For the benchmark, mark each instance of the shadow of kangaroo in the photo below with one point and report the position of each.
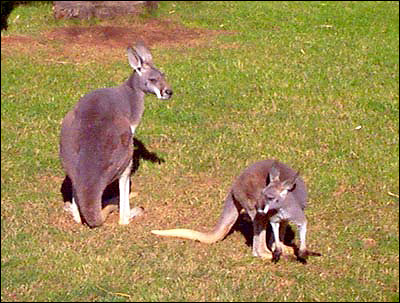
(260, 192)
(96, 142)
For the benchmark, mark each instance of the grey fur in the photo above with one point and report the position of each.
(281, 203)
(96, 141)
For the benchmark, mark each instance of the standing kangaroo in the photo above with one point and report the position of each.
(261, 193)
(96, 143)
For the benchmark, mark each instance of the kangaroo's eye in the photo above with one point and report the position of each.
(153, 80)
(270, 197)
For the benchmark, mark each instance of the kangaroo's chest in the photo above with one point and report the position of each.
(280, 215)
(133, 128)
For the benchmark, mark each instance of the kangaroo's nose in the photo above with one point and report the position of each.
(168, 91)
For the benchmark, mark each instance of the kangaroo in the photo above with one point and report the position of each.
(281, 203)
(96, 141)
(260, 192)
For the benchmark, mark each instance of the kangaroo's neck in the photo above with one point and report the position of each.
(136, 98)
(133, 83)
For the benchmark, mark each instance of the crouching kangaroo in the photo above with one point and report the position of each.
(269, 191)
(96, 142)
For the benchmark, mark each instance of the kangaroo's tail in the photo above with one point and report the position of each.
(221, 229)
(189, 234)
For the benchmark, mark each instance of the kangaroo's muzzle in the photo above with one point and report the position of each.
(166, 94)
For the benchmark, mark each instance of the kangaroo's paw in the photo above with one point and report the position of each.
(72, 209)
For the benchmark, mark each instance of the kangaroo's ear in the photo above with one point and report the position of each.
(290, 184)
(134, 60)
(274, 174)
(143, 52)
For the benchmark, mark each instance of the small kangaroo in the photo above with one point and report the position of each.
(269, 191)
(96, 142)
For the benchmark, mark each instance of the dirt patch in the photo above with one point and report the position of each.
(74, 41)
(151, 32)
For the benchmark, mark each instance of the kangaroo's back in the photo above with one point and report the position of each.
(248, 187)
(95, 149)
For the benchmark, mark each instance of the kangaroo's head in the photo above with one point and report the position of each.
(276, 191)
(147, 78)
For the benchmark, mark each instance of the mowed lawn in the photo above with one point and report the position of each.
(313, 84)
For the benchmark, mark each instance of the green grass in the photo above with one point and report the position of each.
(293, 81)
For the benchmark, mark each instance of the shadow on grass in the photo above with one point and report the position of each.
(245, 227)
(111, 193)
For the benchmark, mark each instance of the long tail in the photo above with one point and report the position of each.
(221, 229)
(90, 206)
(95, 216)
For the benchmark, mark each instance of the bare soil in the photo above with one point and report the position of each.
(151, 32)
(110, 36)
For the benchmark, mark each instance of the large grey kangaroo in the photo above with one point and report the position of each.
(269, 191)
(96, 144)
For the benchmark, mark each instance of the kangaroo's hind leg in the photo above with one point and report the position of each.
(126, 213)
(73, 209)
(259, 238)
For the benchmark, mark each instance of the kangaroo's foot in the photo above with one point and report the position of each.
(136, 212)
(259, 245)
(302, 255)
(286, 250)
(72, 209)
(262, 253)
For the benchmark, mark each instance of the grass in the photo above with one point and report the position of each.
(314, 84)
